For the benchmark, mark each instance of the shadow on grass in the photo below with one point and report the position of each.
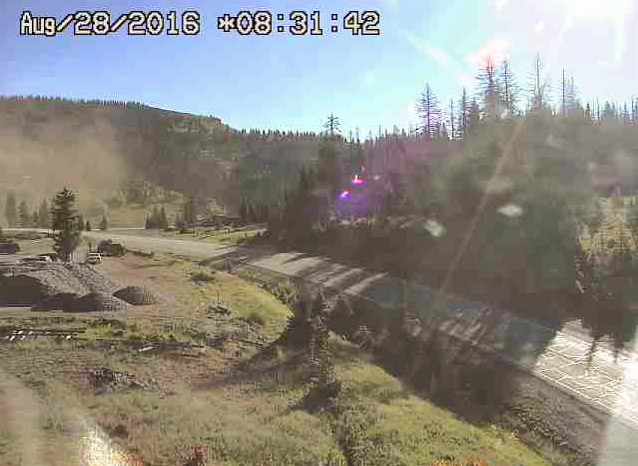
(271, 368)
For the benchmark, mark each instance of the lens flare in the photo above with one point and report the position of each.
(357, 180)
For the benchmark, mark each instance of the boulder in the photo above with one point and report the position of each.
(136, 295)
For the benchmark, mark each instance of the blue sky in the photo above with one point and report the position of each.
(287, 82)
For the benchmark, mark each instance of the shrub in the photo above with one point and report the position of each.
(203, 276)
(256, 319)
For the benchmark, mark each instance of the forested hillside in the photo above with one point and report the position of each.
(114, 153)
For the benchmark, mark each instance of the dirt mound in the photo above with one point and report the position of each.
(136, 295)
(91, 302)
(59, 301)
(50, 282)
(99, 302)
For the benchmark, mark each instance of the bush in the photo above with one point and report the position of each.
(203, 276)
(256, 319)
(282, 291)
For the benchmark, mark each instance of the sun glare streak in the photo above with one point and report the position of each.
(500, 165)
(96, 449)
(618, 11)
(496, 49)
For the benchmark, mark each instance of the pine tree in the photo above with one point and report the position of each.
(539, 88)
(81, 222)
(509, 88)
(564, 95)
(87, 227)
(626, 116)
(598, 115)
(252, 212)
(444, 134)
(163, 220)
(104, 225)
(243, 211)
(473, 116)
(332, 125)
(179, 222)
(429, 112)
(66, 234)
(489, 91)
(44, 215)
(189, 213)
(329, 168)
(23, 214)
(11, 209)
(154, 222)
(462, 126)
(452, 132)
(573, 103)
(609, 114)
(35, 220)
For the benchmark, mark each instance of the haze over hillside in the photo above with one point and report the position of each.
(101, 148)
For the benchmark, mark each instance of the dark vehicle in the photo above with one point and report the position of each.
(109, 248)
(9, 248)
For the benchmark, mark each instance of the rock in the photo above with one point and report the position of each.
(136, 295)
(221, 308)
(50, 285)
(105, 380)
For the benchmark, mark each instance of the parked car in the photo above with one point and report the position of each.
(9, 248)
(94, 258)
(49, 256)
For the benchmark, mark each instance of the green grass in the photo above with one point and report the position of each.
(382, 423)
(237, 429)
(254, 416)
(258, 421)
(234, 238)
(215, 236)
(190, 297)
(41, 412)
(204, 276)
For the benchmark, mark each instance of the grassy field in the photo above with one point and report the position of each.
(131, 216)
(218, 236)
(243, 405)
